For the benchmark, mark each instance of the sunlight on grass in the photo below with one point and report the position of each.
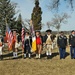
(33, 66)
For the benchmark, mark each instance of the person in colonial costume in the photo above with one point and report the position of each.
(15, 43)
(1, 46)
(49, 42)
(39, 43)
(27, 45)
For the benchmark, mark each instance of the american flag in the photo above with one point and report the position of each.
(9, 37)
(22, 36)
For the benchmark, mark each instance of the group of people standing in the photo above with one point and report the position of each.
(47, 40)
(63, 42)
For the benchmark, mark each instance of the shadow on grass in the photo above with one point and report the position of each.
(8, 55)
(67, 54)
(55, 54)
(33, 55)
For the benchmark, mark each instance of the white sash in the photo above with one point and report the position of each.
(0, 50)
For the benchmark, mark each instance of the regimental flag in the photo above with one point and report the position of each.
(9, 37)
(22, 36)
(33, 37)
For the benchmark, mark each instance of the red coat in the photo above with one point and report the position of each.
(38, 40)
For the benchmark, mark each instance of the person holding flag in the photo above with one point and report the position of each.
(17, 43)
(9, 37)
(36, 41)
(14, 45)
(27, 45)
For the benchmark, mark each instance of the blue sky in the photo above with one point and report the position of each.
(25, 7)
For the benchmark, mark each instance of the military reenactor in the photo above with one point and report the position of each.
(49, 42)
(27, 45)
(17, 43)
(72, 44)
(62, 44)
(14, 44)
(1, 46)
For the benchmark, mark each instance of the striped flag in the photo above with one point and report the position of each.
(33, 37)
(22, 36)
(9, 37)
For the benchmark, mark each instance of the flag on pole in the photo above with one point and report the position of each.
(9, 37)
(33, 37)
(22, 36)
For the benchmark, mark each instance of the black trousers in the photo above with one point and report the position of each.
(1, 57)
(27, 49)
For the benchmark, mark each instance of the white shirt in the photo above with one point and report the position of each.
(26, 37)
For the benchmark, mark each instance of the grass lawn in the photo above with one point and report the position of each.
(33, 66)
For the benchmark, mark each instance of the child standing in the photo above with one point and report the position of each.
(38, 44)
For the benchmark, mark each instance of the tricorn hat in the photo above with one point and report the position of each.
(61, 32)
(72, 31)
(27, 32)
(37, 30)
(48, 30)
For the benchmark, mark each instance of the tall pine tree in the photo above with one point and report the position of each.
(19, 23)
(36, 16)
(7, 10)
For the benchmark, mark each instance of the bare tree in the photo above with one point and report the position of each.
(58, 20)
(49, 24)
(42, 25)
(27, 23)
(54, 4)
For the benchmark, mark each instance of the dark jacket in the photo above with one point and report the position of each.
(72, 40)
(28, 42)
(51, 37)
(62, 41)
(2, 40)
(18, 38)
(42, 39)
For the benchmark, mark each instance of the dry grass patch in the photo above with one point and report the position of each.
(33, 66)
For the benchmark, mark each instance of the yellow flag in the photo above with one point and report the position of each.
(33, 44)
(33, 48)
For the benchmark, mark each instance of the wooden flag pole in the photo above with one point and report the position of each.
(5, 20)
